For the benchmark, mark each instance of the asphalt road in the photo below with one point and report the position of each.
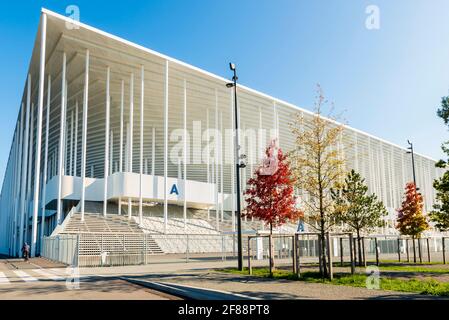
(20, 280)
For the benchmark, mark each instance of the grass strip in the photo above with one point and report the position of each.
(429, 287)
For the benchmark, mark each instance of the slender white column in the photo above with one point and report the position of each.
(153, 150)
(12, 202)
(216, 162)
(142, 71)
(19, 178)
(40, 107)
(84, 134)
(184, 153)
(131, 133)
(122, 95)
(131, 123)
(30, 166)
(221, 167)
(111, 152)
(61, 140)
(71, 145)
(126, 156)
(44, 173)
(208, 173)
(75, 151)
(106, 145)
(166, 148)
(66, 169)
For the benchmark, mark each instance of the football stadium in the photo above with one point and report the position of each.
(117, 146)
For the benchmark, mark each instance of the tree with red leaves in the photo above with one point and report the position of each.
(411, 220)
(270, 194)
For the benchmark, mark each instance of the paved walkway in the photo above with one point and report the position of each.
(275, 289)
(195, 273)
(201, 274)
(28, 281)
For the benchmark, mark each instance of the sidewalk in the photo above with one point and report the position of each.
(201, 274)
(263, 288)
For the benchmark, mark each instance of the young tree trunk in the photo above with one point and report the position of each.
(271, 245)
(323, 250)
(359, 248)
(414, 249)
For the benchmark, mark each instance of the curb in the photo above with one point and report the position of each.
(189, 292)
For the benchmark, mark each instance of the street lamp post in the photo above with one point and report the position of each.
(413, 161)
(238, 166)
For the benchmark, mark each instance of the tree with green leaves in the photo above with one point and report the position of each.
(440, 213)
(359, 211)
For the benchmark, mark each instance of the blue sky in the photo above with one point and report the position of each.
(388, 82)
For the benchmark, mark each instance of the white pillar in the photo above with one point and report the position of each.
(122, 94)
(216, 162)
(45, 174)
(221, 167)
(71, 145)
(19, 178)
(84, 134)
(111, 152)
(141, 141)
(131, 133)
(166, 148)
(75, 151)
(106, 145)
(153, 150)
(61, 140)
(208, 173)
(184, 153)
(30, 165)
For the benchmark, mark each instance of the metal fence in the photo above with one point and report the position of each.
(120, 249)
(61, 248)
(114, 249)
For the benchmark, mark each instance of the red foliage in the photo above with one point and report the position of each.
(270, 197)
(411, 220)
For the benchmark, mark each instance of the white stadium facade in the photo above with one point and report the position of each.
(111, 131)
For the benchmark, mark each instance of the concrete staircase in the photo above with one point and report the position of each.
(96, 223)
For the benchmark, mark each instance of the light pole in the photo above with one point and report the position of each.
(413, 161)
(238, 166)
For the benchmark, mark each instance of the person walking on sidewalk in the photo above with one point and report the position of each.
(26, 251)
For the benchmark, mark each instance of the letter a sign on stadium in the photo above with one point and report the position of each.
(174, 189)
